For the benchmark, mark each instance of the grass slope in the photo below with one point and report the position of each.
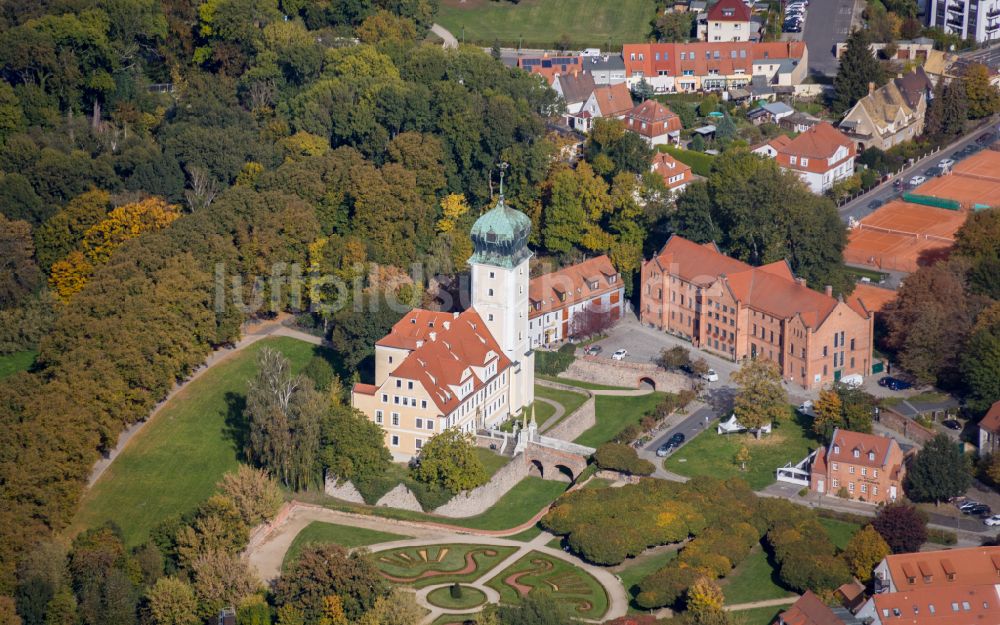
(614, 413)
(543, 23)
(174, 462)
(636, 569)
(712, 454)
(580, 383)
(758, 616)
(753, 580)
(840, 532)
(18, 361)
(318, 532)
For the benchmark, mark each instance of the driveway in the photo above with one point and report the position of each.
(828, 22)
(690, 426)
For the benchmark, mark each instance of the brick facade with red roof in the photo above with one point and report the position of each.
(989, 431)
(728, 20)
(565, 302)
(864, 466)
(822, 156)
(735, 310)
(710, 65)
(654, 122)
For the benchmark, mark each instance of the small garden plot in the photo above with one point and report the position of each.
(468, 597)
(564, 582)
(429, 565)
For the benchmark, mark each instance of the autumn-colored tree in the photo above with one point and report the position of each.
(828, 413)
(982, 96)
(382, 27)
(453, 208)
(322, 571)
(705, 596)
(124, 223)
(222, 579)
(399, 607)
(255, 494)
(8, 611)
(218, 526)
(303, 144)
(172, 602)
(990, 468)
(742, 457)
(865, 549)
(19, 275)
(62, 233)
(760, 399)
(69, 275)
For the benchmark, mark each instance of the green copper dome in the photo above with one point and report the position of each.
(500, 237)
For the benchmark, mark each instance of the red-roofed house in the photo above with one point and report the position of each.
(989, 431)
(654, 122)
(571, 301)
(676, 175)
(810, 610)
(770, 148)
(728, 20)
(864, 466)
(606, 101)
(822, 156)
(727, 307)
(923, 570)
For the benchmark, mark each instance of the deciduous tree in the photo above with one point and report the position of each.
(323, 571)
(982, 96)
(449, 460)
(828, 412)
(222, 579)
(353, 446)
(760, 399)
(255, 494)
(902, 526)
(705, 596)
(865, 550)
(172, 602)
(218, 526)
(19, 275)
(939, 471)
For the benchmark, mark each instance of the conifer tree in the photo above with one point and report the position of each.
(858, 68)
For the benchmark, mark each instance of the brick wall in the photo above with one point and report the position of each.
(480, 499)
(905, 426)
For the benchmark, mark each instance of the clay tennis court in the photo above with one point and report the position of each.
(901, 236)
(984, 165)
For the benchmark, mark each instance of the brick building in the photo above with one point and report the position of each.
(727, 307)
(572, 300)
(865, 466)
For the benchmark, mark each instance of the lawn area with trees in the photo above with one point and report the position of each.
(712, 454)
(348, 536)
(173, 463)
(548, 23)
(18, 361)
(615, 413)
(755, 579)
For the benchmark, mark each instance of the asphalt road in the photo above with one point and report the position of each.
(860, 207)
(827, 23)
(690, 427)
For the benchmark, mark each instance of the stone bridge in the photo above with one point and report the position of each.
(551, 462)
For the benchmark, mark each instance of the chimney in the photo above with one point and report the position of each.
(447, 325)
(801, 281)
(871, 88)
(454, 315)
(828, 290)
(432, 336)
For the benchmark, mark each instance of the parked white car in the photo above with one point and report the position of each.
(993, 520)
(946, 163)
(918, 180)
(710, 376)
(853, 381)
(619, 354)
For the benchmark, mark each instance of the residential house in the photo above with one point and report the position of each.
(727, 307)
(905, 50)
(575, 88)
(860, 466)
(715, 66)
(798, 122)
(810, 610)
(605, 101)
(676, 175)
(772, 112)
(655, 123)
(574, 301)
(925, 570)
(551, 66)
(608, 69)
(727, 20)
(989, 431)
(891, 114)
(469, 370)
(770, 148)
(969, 19)
(822, 156)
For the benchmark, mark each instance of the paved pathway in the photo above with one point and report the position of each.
(444, 34)
(254, 333)
(767, 603)
(560, 410)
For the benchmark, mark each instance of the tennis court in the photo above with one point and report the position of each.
(901, 236)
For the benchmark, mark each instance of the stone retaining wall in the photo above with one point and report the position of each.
(479, 499)
(400, 497)
(576, 423)
(602, 370)
(345, 491)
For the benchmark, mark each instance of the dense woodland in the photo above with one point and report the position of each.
(144, 144)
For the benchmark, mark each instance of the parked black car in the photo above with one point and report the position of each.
(986, 138)
(894, 384)
(952, 424)
(980, 510)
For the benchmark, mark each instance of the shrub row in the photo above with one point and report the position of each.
(622, 458)
(554, 363)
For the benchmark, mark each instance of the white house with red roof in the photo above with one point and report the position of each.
(727, 20)
(655, 123)
(574, 301)
(822, 156)
(675, 174)
(604, 101)
(989, 431)
(470, 370)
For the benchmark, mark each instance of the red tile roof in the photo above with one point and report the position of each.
(447, 354)
(968, 565)
(698, 264)
(652, 112)
(991, 421)
(729, 11)
(571, 285)
(809, 610)
(945, 605)
(414, 328)
(365, 389)
(613, 100)
(817, 144)
(848, 442)
(701, 56)
(669, 167)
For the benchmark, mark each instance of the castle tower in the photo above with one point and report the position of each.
(500, 291)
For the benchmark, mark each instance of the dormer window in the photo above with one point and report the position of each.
(857, 453)
(836, 449)
(871, 455)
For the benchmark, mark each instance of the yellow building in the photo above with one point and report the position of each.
(471, 370)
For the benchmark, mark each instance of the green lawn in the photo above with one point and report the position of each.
(614, 413)
(527, 535)
(635, 570)
(439, 564)
(519, 504)
(590, 386)
(343, 535)
(861, 272)
(175, 461)
(567, 584)
(542, 413)
(567, 399)
(18, 361)
(470, 597)
(712, 454)
(758, 616)
(840, 532)
(753, 580)
(545, 23)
